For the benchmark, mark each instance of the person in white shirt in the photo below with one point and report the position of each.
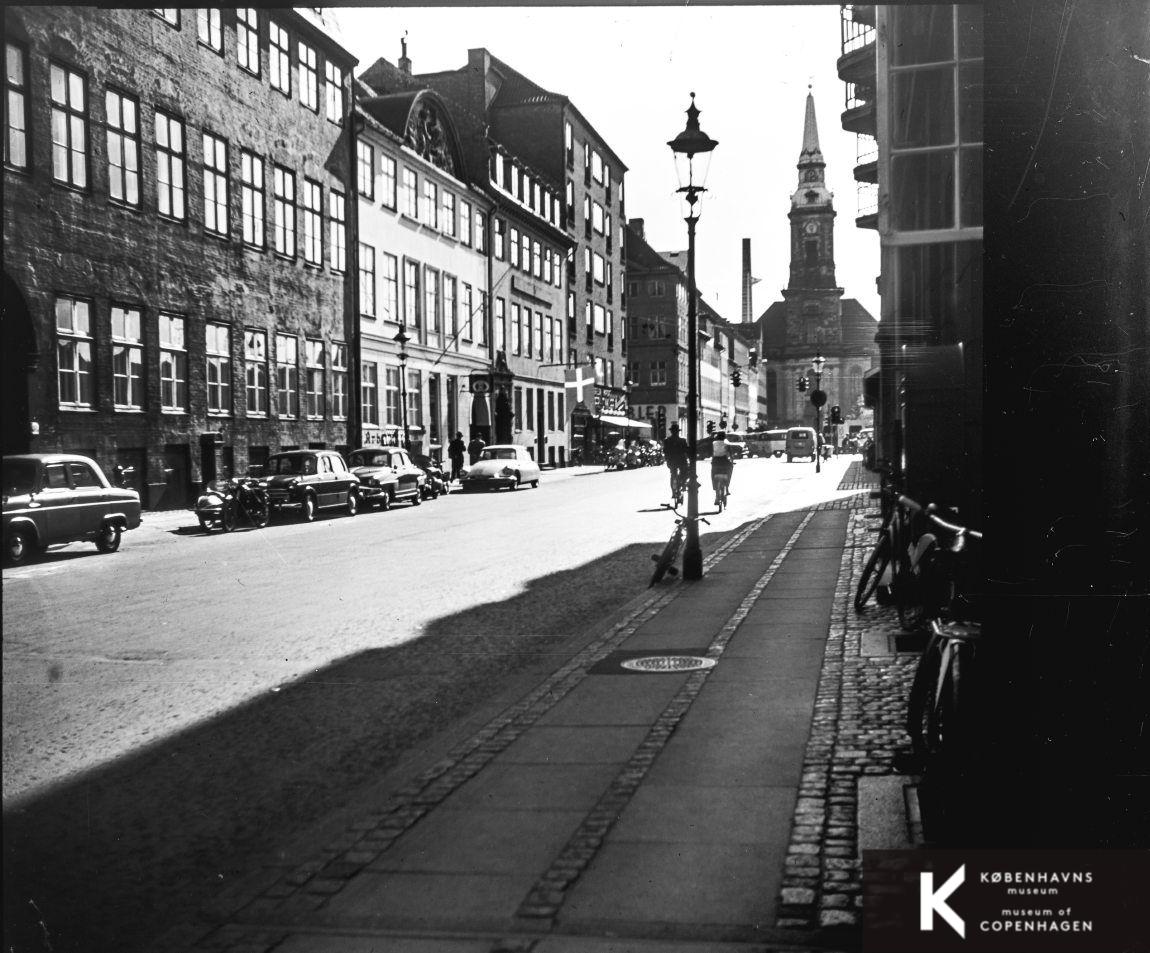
(722, 463)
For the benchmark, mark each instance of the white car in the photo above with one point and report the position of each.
(502, 464)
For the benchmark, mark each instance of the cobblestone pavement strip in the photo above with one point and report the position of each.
(311, 884)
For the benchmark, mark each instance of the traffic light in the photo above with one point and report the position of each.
(803, 383)
(753, 358)
(836, 414)
(661, 419)
(736, 378)
(710, 426)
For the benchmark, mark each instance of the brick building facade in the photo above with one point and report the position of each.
(174, 239)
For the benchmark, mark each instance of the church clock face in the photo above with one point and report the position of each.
(811, 228)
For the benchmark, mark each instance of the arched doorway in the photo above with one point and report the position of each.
(19, 356)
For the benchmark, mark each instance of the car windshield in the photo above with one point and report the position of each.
(19, 476)
(371, 458)
(291, 464)
(498, 453)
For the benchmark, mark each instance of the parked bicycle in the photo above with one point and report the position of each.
(665, 561)
(877, 578)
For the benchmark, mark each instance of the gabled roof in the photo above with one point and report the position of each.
(859, 325)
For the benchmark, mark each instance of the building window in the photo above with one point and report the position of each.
(16, 106)
(465, 222)
(312, 222)
(658, 372)
(127, 359)
(215, 184)
(430, 210)
(586, 164)
(287, 375)
(69, 127)
(391, 394)
(252, 195)
(414, 403)
(480, 231)
(169, 166)
(365, 170)
(338, 381)
(500, 239)
(337, 212)
(500, 325)
(569, 210)
(600, 319)
(537, 259)
(596, 167)
(410, 196)
(209, 29)
(369, 393)
(279, 58)
(466, 303)
(539, 335)
(308, 78)
(569, 145)
(256, 372)
(366, 280)
(597, 217)
(431, 299)
(515, 247)
(388, 183)
(248, 39)
(74, 351)
(516, 329)
(411, 294)
(170, 15)
(450, 316)
(123, 133)
(447, 213)
(218, 352)
(173, 364)
(313, 358)
(283, 207)
(333, 92)
(390, 287)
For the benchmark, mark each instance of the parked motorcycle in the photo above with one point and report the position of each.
(437, 481)
(226, 503)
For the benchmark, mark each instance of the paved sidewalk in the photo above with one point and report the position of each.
(615, 809)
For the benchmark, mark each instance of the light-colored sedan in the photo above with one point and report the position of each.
(502, 464)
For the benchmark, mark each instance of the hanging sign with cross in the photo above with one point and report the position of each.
(577, 379)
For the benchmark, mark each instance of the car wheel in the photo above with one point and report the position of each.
(790, 459)
(518, 483)
(418, 498)
(18, 547)
(384, 500)
(309, 508)
(352, 503)
(535, 484)
(108, 541)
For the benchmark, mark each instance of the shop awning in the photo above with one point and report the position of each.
(616, 421)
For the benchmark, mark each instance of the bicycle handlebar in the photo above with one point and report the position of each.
(698, 519)
(932, 513)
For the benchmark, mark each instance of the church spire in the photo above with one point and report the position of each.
(810, 131)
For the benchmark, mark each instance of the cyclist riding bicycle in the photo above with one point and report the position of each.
(675, 450)
(722, 464)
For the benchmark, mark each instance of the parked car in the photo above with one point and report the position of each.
(436, 483)
(310, 481)
(499, 465)
(801, 442)
(54, 498)
(387, 475)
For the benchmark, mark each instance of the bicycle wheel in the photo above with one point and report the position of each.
(920, 703)
(259, 511)
(947, 732)
(914, 575)
(666, 559)
(228, 516)
(872, 573)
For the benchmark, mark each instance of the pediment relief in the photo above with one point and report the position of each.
(428, 134)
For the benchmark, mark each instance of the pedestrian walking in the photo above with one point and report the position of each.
(455, 451)
(475, 448)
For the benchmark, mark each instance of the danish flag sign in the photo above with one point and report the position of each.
(577, 380)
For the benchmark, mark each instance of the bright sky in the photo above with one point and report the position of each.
(631, 70)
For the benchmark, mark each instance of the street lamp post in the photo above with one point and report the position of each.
(401, 339)
(691, 142)
(818, 398)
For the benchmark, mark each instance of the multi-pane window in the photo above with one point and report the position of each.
(539, 333)
(15, 106)
(279, 58)
(215, 184)
(500, 239)
(74, 351)
(410, 203)
(515, 247)
(500, 325)
(248, 39)
(526, 252)
(481, 338)
(127, 358)
(338, 380)
(430, 206)
(537, 259)
(252, 195)
(390, 274)
(570, 204)
(333, 91)
(480, 231)
(366, 280)
(369, 392)
(283, 209)
(658, 372)
(173, 363)
(312, 222)
(414, 403)
(450, 316)
(365, 169)
(169, 165)
(256, 372)
(313, 357)
(337, 212)
(466, 303)
(447, 213)
(387, 183)
(597, 217)
(391, 394)
(308, 77)
(170, 15)
(465, 222)
(597, 268)
(431, 298)
(218, 354)
(516, 329)
(287, 375)
(596, 167)
(123, 134)
(69, 126)
(569, 145)
(209, 29)
(411, 294)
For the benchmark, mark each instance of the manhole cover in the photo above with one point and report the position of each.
(667, 663)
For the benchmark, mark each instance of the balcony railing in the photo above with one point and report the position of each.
(866, 149)
(867, 194)
(857, 26)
